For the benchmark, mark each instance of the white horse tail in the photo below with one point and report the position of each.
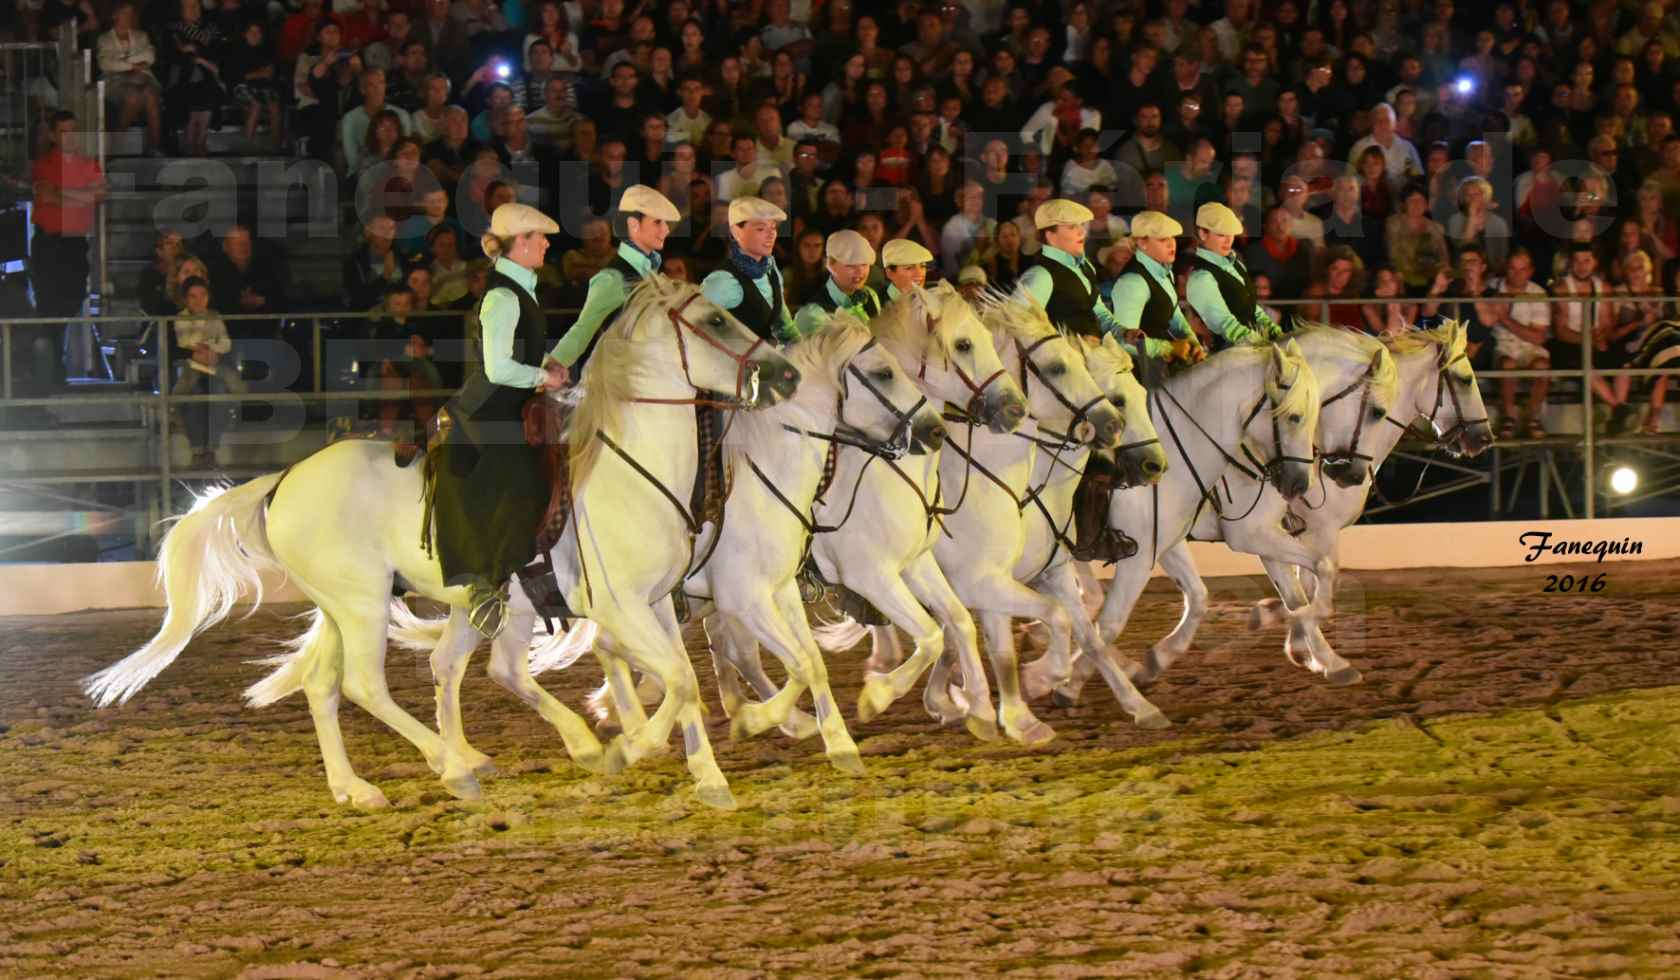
(288, 680)
(213, 555)
(411, 631)
(563, 649)
(839, 636)
(599, 702)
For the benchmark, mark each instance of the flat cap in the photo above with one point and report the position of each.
(850, 248)
(642, 199)
(971, 275)
(903, 251)
(1219, 219)
(754, 209)
(517, 219)
(1061, 212)
(1154, 224)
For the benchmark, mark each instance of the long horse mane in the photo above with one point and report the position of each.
(1300, 397)
(897, 326)
(1009, 316)
(1442, 335)
(1358, 347)
(819, 357)
(614, 367)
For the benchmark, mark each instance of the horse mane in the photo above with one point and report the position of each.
(897, 327)
(1357, 346)
(819, 357)
(1104, 356)
(1012, 317)
(1441, 335)
(613, 368)
(1302, 395)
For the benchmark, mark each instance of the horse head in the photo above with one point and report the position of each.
(1360, 386)
(1061, 395)
(709, 349)
(857, 386)
(1293, 395)
(1140, 456)
(936, 332)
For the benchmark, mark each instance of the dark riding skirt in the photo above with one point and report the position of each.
(488, 494)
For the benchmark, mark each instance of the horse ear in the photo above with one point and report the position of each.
(1294, 350)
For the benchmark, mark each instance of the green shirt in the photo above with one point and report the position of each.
(498, 317)
(1131, 294)
(811, 314)
(722, 288)
(1038, 284)
(1209, 304)
(607, 293)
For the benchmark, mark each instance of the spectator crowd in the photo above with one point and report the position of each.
(1382, 154)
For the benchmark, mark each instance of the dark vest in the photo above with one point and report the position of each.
(763, 319)
(481, 398)
(1157, 316)
(1071, 301)
(824, 299)
(1238, 294)
(631, 278)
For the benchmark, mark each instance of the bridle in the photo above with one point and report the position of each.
(1081, 413)
(977, 392)
(746, 369)
(1445, 390)
(1362, 384)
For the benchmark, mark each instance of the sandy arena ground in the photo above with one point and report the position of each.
(1498, 798)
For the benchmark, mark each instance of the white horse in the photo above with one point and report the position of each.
(1259, 403)
(345, 523)
(1046, 563)
(1436, 384)
(853, 393)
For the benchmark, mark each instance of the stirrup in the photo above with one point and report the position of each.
(487, 611)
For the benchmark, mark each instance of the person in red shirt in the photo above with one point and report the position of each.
(67, 187)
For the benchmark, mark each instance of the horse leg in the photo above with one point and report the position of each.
(1130, 577)
(999, 599)
(1090, 588)
(893, 598)
(936, 693)
(721, 642)
(323, 685)
(1060, 582)
(510, 669)
(837, 741)
(740, 650)
(710, 787)
(1303, 625)
(765, 622)
(363, 632)
(1177, 562)
(625, 696)
(449, 661)
(885, 652)
(639, 633)
(927, 581)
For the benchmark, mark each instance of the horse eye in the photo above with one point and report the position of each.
(1118, 402)
(1057, 369)
(1295, 419)
(1378, 413)
(964, 346)
(716, 321)
(884, 375)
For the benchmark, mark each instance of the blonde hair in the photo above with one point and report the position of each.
(495, 246)
(1637, 257)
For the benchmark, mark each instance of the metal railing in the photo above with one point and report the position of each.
(329, 350)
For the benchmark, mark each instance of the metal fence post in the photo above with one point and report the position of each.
(6, 354)
(1588, 446)
(164, 466)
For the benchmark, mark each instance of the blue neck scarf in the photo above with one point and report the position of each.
(754, 268)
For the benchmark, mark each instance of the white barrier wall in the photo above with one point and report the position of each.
(42, 590)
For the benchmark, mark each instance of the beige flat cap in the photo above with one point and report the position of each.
(1219, 219)
(849, 247)
(1154, 224)
(754, 209)
(641, 199)
(1061, 212)
(971, 275)
(517, 219)
(903, 251)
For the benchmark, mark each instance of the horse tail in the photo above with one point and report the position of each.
(562, 650)
(600, 702)
(288, 679)
(840, 635)
(411, 631)
(214, 554)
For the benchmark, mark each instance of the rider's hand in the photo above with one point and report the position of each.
(555, 376)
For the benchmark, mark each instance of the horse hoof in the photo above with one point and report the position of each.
(1034, 685)
(876, 697)
(800, 726)
(1034, 734)
(363, 795)
(1063, 700)
(484, 767)
(608, 726)
(1266, 612)
(982, 728)
(464, 787)
(1152, 720)
(848, 761)
(618, 756)
(715, 795)
(1344, 676)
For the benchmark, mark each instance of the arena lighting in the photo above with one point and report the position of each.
(1465, 85)
(1622, 478)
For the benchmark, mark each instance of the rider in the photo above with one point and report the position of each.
(849, 259)
(488, 494)
(643, 219)
(905, 263)
(1146, 296)
(1060, 279)
(749, 285)
(1221, 291)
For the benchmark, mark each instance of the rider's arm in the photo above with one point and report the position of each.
(1130, 295)
(1035, 282)
(606, 295)
(722, 289)
(498, 317)
(1209, 304)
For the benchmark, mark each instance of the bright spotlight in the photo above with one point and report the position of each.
(1624, 480)
(1465, 85)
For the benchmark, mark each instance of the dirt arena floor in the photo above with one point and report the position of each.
(1498, 798)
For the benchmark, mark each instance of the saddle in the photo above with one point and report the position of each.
(403, 452)
(1093, 539)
